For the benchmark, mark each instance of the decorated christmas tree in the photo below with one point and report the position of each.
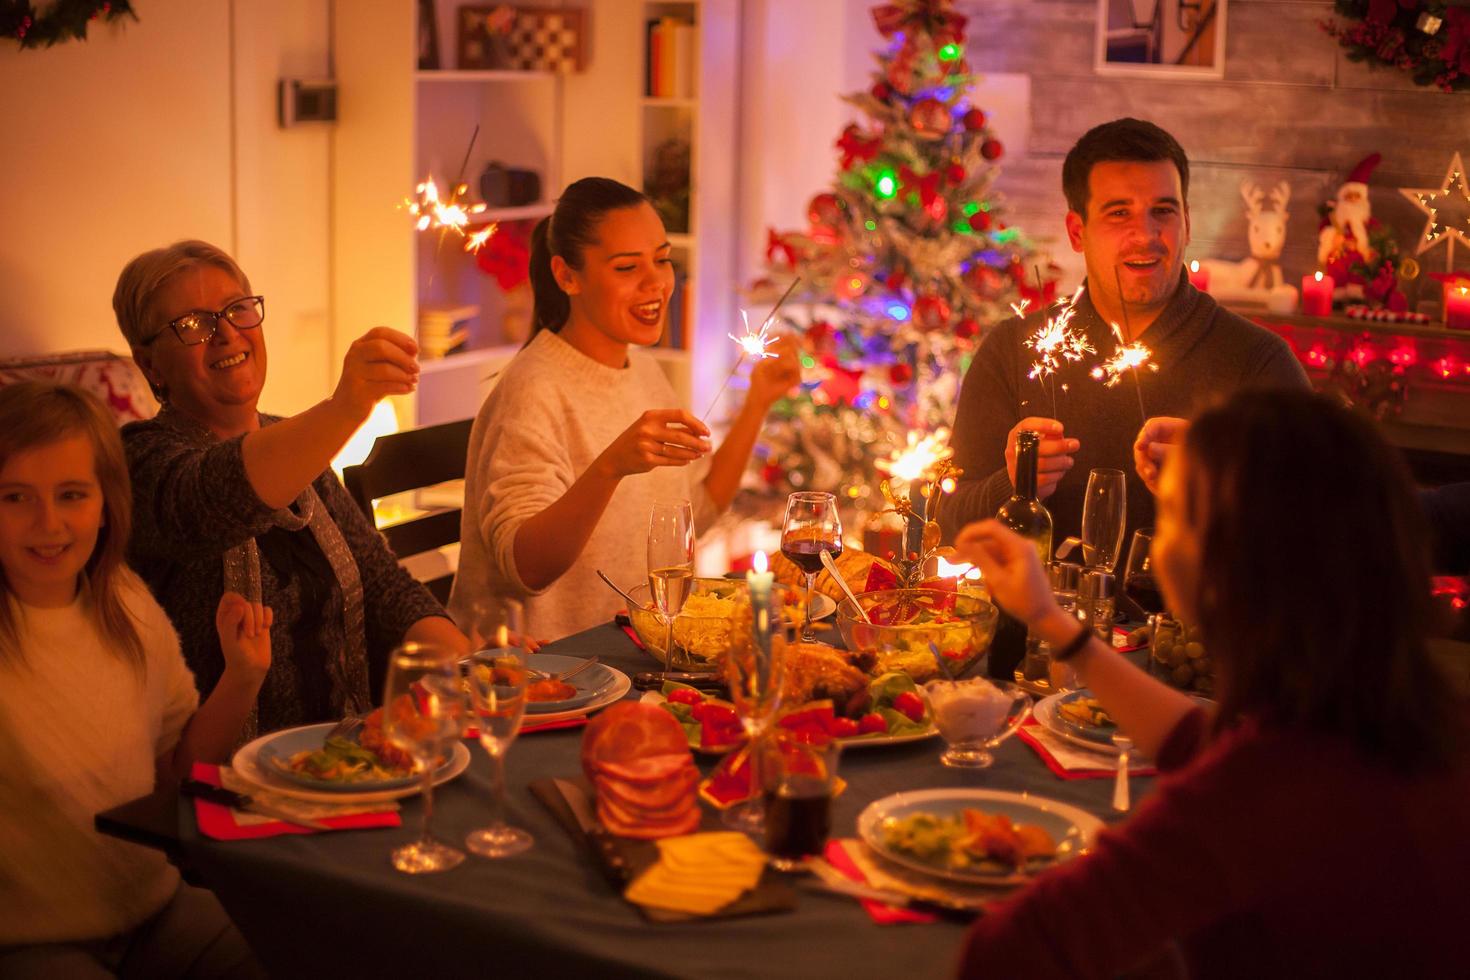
(906, 262)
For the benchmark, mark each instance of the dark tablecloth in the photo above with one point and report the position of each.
(332, 905)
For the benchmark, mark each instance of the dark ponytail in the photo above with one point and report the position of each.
(567, 232)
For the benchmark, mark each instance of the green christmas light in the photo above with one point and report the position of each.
(950, 52)
(870, 224)
(808, 362)
(962, 227)
(970, 208)
(886, 184)
(1007, 235)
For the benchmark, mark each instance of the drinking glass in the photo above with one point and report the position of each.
(812, 526)
(1104, 514)
(497, 680)
(423, 711)
(800, 779)
(755, 674)
(974, 716)
(670, 565)
(1139, 583)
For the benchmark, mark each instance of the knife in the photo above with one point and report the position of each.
(239, 801)
(614, 864)
(654, 681)
(830, 879)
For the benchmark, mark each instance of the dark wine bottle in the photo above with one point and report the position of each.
(1023, 513)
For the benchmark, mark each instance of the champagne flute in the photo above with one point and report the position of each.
(812, 526)
(497, 678)
(755, 674)
(423, 710)
(1104, 514)
(670, 565)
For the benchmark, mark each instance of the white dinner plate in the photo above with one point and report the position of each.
(1073, 829)
(248, 767)
(1046, 716)
(611, 692)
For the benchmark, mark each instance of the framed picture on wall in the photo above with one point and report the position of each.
(1161, 38)
(509, 38)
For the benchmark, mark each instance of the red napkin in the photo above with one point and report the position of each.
(880, 912)
(1062, 772)
(633, 635)
(218, 821)
(532, 728)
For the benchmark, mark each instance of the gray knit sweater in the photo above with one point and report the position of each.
(192, 502)
(1202, 351)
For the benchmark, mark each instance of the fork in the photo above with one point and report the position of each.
(563, 675)
(347, 727)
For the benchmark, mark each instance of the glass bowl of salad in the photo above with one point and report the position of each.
(701, 630)
(908, 625)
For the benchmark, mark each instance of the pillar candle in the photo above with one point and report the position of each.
(1456, 307)
(1199, 277)
(1317, 294)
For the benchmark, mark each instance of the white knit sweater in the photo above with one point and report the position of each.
(79, 733)
(552, 413)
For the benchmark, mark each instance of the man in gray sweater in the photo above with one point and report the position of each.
(1127, 186)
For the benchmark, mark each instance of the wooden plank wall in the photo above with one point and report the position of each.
(1291, 107)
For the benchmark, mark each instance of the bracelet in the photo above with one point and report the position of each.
(1073, 647)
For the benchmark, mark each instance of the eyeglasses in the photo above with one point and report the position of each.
(198, 327)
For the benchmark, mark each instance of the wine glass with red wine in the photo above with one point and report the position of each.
(1139, 583)
(811, 527)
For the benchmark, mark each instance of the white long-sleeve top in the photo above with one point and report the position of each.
(79, 732)
(552, 413)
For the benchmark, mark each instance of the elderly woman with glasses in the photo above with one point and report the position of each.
(227, 498)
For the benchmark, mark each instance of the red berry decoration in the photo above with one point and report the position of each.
(974, 119)
(881, 91)
(991, 149)
(900, 374)
(955, 174)
(980, 221)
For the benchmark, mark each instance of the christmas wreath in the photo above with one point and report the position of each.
(1429, 39)
(43, 24)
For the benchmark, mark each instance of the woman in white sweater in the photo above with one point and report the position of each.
(582, 433)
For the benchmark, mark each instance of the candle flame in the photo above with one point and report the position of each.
(754, 345)
(502, 636)
(1194, 265)
(760, 564)
(1317, 276)
(919, 458)
(454, 214)
(963, 569)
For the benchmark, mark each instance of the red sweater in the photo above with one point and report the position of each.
(1266, 853)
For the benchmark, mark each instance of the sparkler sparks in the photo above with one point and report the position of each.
(920, 458)
(430, 211)
(754, 345)
(1055, 342)
(1126, 358)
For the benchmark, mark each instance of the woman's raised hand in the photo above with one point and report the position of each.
(660, 437)
(1011, 567)
(773, 377)
(380, 363)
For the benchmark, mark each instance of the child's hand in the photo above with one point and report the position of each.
(244, 634)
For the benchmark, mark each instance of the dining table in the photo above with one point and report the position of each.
(331, 904)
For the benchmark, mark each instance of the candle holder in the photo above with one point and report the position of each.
(937, 482)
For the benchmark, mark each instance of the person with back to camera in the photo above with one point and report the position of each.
(227, 498)
(96, 708)
(1312, 822)
(582, 433)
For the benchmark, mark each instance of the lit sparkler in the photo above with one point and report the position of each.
(920, 458)
(752, 344)
(1128, 357)
(1057, 341)
(430, 211)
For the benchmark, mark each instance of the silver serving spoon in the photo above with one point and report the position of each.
(632, 603)
(831, 567)
(1120, 786)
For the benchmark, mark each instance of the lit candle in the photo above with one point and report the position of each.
(1317, 294)
(760, 580)
(1457, 307)
(1199, 277)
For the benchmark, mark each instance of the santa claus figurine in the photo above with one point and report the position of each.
(1345, 245)
(1345, 229)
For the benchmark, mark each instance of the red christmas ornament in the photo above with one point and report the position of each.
(991, 149)
(967, 328)
(900, 373)
(881, 91)
(857, 148)
(937, 208)
(930, 118)
(974, 119)
(772, 474)
(1017, 271)
(956, 174)
(980, 221)
(824, 211)
(818, 330)
(931, 312)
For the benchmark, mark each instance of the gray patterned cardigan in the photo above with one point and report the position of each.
(192, 502)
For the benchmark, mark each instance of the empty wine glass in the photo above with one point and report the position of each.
(1104, 514)
(423, 711)
(670, 565)
(497, 678)
(755, 674)
(812, 526)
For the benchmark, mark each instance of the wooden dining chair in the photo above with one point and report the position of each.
(414, 460)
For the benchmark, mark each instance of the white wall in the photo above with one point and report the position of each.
(159, 129)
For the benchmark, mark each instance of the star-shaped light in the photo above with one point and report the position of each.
(754, 345)
(1447, 208)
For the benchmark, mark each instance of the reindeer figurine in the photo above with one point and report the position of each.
(1257, 275)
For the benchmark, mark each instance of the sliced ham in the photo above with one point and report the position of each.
(637, 757)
